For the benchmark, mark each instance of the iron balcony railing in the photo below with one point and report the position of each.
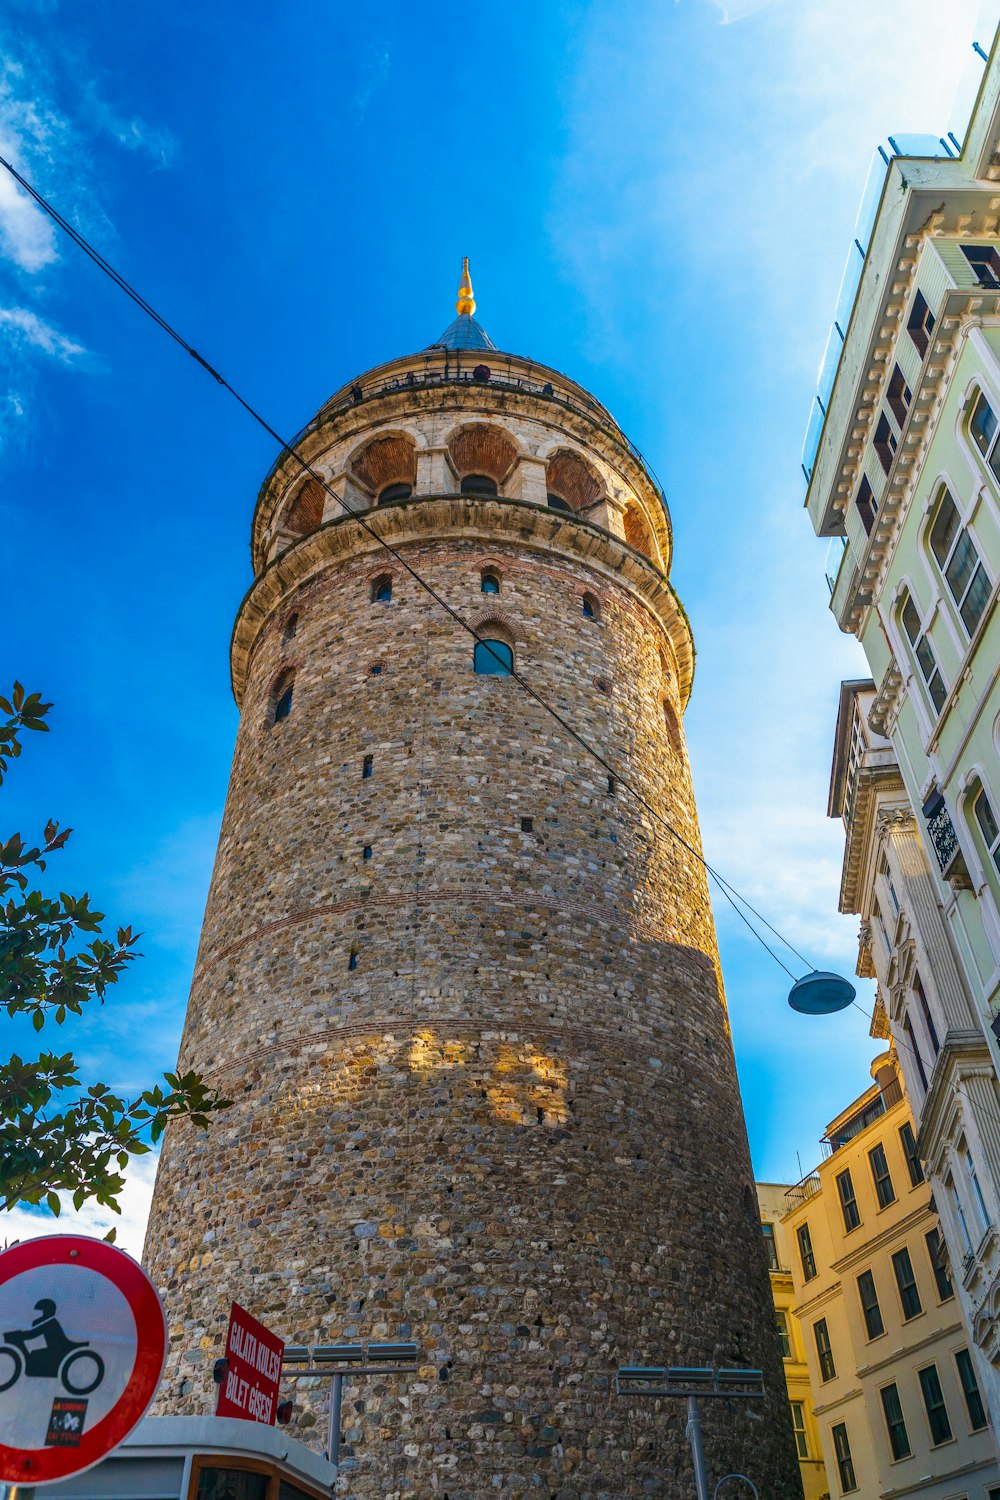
(802, 1192)
(486, 368)
(883, 1101)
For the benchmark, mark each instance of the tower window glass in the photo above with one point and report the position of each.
(291, 626)
(556, 502)
(589, 607)
(395, 492)
(493, 658)
(490, 583)
(923, 651)
(382, 589)
(283, 692)
(956, 555)
(479, 484)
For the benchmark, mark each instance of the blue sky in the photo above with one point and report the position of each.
(656, 197)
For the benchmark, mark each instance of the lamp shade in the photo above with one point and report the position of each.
(820, 993)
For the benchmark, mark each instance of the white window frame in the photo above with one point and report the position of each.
(943, 494)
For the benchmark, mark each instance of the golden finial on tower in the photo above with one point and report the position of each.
(466, 301)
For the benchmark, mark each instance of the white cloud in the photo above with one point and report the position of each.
(91, 1219)
(31, 329)
(26, 237)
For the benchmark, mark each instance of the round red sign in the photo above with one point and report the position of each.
(83, 1342)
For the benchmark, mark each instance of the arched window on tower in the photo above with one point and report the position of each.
(490, 583)
(281, 697)
(493, 658)
(382, 589)
(479, 484)
(290, 627)
(672, 726)
(590, 608)
(394, 492)
(556, 502)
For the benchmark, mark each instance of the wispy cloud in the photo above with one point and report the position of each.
(92, 1219)
(27, 327)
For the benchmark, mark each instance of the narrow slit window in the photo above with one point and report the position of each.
(291, 626)
(366, 852)
(366, 767)
(382, 589)
(283, 694)
(352, 962)
(589, 607)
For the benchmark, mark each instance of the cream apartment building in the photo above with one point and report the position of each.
(774, 1203)
(903, 468)
(897, 1401)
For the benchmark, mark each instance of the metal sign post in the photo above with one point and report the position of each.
(340, 1362)
(692, 1384)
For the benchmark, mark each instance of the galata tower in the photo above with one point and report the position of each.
(461, 984)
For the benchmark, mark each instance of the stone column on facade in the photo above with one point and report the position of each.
(908, 862)
(528, 481)
(435, 475)
(346, 497)
(978, 1086)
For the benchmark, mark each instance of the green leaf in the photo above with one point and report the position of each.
(52, 1199)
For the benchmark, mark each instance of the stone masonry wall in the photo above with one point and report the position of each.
(512, 1132)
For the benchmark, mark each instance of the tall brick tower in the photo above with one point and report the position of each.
(462, 987)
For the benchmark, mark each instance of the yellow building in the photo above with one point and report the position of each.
(896, 1398)
(773, 1199)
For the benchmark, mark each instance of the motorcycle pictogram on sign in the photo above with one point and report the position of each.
(43, 1351)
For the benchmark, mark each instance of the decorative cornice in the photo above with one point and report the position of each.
(470, 519)
(961, 306)
(883, 710)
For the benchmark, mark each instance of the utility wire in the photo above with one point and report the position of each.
(735, 899)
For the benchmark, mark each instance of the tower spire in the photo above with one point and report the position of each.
(466, 301)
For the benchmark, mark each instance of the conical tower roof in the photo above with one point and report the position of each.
(464, 332)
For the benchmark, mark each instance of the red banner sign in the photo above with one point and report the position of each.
(249, 1386)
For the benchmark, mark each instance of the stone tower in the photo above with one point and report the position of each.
(461, 985)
